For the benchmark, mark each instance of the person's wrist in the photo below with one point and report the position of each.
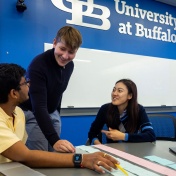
(77, 160)
(93, 141)
(96, 142)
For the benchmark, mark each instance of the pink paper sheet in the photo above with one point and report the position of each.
(142, 162)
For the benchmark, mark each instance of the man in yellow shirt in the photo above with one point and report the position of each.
(13, 91)
(11, 130)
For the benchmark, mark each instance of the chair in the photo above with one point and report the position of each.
(164, 126)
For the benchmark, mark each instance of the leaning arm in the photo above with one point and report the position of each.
(35, 158)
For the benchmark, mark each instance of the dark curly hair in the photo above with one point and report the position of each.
(10, 77)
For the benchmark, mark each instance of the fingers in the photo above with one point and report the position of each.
(107, 133)
(99, 160)
(104, 131)
(104, 155)
(98, 163)
(64, 146)
(98, 167)
(105, 164)
(63, 149)
(110, 160)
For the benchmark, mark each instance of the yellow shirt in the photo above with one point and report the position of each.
(11, 132)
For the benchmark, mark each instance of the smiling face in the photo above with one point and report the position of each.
(120, 96)
(63, 54)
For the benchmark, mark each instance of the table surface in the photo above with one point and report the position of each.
(160, 149)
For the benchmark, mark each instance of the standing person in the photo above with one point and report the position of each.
(49, 73)
(13, 91)
(125, 119)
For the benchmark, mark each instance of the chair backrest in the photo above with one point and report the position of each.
(102, 136)
(164, 126)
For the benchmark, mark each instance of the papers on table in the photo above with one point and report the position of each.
(132, 169)
(157, 168)
(161, 161)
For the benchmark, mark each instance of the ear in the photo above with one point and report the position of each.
(14, 93)
(130, 96)
(54, 43)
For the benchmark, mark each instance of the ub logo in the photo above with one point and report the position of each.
(78, 13)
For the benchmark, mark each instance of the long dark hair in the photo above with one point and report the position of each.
(132, 107)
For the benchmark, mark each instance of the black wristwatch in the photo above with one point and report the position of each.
(77, 159)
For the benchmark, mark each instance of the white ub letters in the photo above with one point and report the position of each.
(78, 13)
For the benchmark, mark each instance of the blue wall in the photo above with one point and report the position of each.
(75, 128)
(22, 35)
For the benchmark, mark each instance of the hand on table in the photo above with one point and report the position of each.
(94, 160)
(64, 146)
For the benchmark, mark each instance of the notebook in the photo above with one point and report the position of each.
(173, 150)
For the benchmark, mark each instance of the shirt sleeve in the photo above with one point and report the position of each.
(7, 137)
(98, 123)
(145, 133)
(38, 96)
(10, 134)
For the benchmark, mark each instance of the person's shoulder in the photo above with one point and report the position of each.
(41, 62)
(42, 57)
(141, 108)
(105, 106)
(3, 115)
(46, 53)
(18, 111)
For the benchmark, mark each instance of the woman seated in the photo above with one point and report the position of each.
(126, 120)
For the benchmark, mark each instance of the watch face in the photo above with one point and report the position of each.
(77, 158)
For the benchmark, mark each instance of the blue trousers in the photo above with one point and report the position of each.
(36, 139)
